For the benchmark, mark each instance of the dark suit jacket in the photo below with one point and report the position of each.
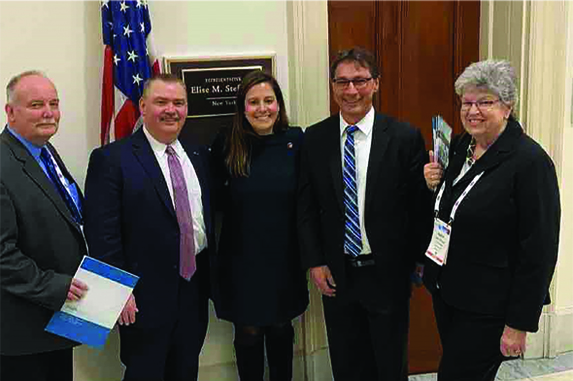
(395, 193)
(40, 249)
(504, 240)
(131, 222)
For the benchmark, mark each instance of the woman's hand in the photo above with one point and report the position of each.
(433, 173)
(512, 342)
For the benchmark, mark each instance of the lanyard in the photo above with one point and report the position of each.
(458, 201)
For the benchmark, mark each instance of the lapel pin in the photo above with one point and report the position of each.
(289, 145)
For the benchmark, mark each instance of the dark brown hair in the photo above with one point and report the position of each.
(359, 55)
(242, 134)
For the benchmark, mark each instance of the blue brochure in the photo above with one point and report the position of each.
(90, 319)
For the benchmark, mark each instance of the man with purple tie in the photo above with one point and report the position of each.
(147, 212)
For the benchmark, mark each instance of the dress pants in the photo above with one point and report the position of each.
(470, 343)
(367, 334)
(46, 366)
(169, 352)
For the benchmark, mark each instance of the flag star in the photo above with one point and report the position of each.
(116, 59)
(132, 56)
(146, 51)
(123, 6)
(137, 79)
(104, 3)
(127, 31)
(139, 4)
(142, 25)
(114, 35)
(110, 24)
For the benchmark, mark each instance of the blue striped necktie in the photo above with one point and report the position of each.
(352, 235)
(54, 174)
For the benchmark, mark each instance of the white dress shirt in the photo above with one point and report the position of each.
(193, 186)
(362, 144)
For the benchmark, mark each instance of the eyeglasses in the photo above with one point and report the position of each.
(482, 105)
(343, 83)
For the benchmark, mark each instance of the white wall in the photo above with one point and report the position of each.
(563, 335)
(63, 38)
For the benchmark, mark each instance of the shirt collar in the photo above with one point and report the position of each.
(159, 148)
(31, 147)
(365, 125)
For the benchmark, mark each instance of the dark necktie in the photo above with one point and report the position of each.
(57, 178)
(352, 235)
(187, 264)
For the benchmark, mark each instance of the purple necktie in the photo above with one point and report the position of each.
(187, 265)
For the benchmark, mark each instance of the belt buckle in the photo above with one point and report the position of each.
(362, 262)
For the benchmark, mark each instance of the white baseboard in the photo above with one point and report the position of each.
(318, 366)
(561, 337)
(555, 335)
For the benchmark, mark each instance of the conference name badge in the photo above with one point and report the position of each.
(438, 249)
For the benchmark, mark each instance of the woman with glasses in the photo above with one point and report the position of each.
(260, 283)
(496, 230)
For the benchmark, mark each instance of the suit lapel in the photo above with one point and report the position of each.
(335, 159)
(199, 165)
(378, 148)
(500, 149)
(33, 170)
(497, 153)
(146, 157)
(197, 162)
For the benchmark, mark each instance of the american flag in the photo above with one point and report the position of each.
(128, 62)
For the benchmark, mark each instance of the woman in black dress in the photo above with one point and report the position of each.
(260, 284)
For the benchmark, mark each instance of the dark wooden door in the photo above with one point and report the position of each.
(421, 47)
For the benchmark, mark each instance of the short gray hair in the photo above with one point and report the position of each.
(15, 79)
(496, 76)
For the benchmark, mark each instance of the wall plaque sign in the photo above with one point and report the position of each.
(212, 83)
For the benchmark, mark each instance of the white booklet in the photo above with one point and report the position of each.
(442, 136)
(90, 319)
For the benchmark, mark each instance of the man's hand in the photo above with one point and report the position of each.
(127, 316)
(77, 290)
(512, 343)
(433, 172)
(323, 280)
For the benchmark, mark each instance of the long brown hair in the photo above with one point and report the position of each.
(238, 157)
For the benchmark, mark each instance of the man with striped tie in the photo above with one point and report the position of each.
(360, 209)
(41, 240)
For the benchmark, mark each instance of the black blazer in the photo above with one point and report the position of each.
(131, 222)
(395, 196)
(41, 247)
(504, 240)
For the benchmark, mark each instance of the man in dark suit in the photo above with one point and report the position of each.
(147, 212)
(360, 202)
(41, 242)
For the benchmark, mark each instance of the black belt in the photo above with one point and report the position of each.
(361, 260)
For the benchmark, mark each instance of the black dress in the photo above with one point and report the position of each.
(258, 274)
